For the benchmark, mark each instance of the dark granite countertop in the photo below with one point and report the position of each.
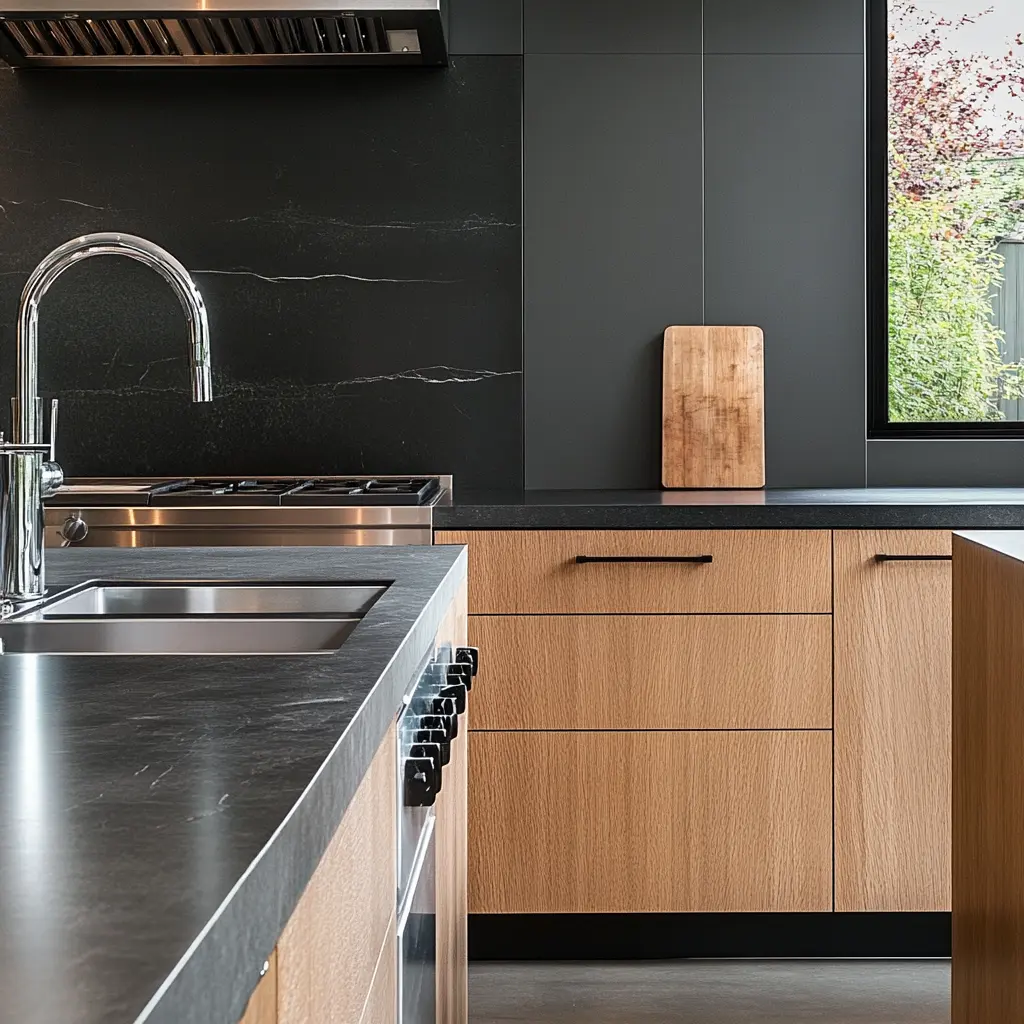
(160, 816)
(952, 508)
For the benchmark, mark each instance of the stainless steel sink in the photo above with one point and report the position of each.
(191, 618)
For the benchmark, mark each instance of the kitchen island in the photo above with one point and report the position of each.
(160, 816)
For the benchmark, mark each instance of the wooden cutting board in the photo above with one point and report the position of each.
(712, 420)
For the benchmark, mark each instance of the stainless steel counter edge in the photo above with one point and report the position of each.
(213, 980)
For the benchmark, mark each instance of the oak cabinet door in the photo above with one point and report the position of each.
(649, 822)
(262, 1007)
(893, 731)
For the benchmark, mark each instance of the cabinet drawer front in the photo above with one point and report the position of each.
(653, 672)
(522, 571)
(649, 822)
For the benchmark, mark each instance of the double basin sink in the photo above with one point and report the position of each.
(191, 618)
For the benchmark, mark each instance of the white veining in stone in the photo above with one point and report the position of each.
(432, 375)
(151, 363)
(286, 278)
(461, 225)
(78, 202)
(281, 390)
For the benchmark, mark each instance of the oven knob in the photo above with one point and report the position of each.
(448, 724)
(432, 753)
(468, 656)
(419, 782)
(434, 705)
(439, 738)
(460, 672)
(74, 530)
(457, 692)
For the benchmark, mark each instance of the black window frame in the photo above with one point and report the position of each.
(879, 426)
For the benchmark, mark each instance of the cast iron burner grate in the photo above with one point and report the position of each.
(220, 492)
(405, 491)
(342, 491)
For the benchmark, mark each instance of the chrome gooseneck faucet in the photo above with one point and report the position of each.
(25, 478)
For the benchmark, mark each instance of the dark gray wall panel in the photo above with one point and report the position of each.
(607, 26)
(785, 249)
(946, 463)
(612, 237)
(784, 26)
(485, 26)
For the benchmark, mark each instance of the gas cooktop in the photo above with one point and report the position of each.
(269, 491)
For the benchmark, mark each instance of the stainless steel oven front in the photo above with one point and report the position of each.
(427, 725)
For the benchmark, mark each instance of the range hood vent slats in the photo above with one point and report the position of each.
(29, 46)
(142, 41)
(219, 37)
(103, 38)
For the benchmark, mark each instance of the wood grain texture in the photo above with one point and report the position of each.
(892, 722)
(262, 1006)
(712, 416)
(681, 671)
(516, 572)
(328, 952)
(381, 1005)
(649, 822)
(452, 851)
(988, 793)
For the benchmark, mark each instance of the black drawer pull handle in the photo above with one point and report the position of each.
(913, 558)
(645, 559)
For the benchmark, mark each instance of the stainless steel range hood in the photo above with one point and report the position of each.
(97, 33)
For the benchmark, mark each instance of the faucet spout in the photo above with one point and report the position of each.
(28, 426)
(25, 478)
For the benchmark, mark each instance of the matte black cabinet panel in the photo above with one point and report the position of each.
(606, 26)
(785, 249)
(612, 242)
(357, 238)
(784, 26)
(485, 26)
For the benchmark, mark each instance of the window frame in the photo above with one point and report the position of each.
(879, 427)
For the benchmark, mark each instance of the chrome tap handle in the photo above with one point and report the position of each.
(51, 475)
(53, 430)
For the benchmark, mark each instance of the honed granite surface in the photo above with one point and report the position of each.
(949, 508)
(357, 237)
(160, 816)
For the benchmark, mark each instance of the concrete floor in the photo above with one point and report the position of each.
(712, 992)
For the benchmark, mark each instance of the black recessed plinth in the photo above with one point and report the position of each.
(726, 936)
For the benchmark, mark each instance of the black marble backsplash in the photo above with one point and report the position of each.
(357, 237)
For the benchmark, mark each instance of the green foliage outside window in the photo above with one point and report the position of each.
(956, 186)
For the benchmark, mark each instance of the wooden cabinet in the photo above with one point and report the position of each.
(524, 572)
(262, 1008)
(327, 955)
(653, 672)
(892, 722)
(646, 822)
(638, 747)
